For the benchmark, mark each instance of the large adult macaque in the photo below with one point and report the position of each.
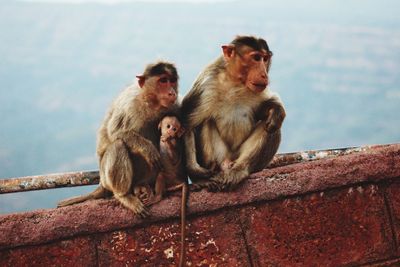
(128, 139)
(232, 121)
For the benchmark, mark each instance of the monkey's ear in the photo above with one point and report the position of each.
(181, 132)
(141, 80)
(228, 50)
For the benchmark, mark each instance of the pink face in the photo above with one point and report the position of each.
(249, 66)
(171, 127)
(257, 76)
(166, 90)
(162, 88)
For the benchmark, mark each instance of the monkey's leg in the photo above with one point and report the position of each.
(117, 168)
(214, 152)
(159, 190)
(99, 192)
(195, 171)
(254, 154)
(214, 149)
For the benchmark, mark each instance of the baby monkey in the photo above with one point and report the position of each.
(173, 176)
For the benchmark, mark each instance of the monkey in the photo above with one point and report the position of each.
(233, 122)
(128, 138)
(173, 176)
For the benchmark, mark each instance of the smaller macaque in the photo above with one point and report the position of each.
(128, 138)
(173, 175)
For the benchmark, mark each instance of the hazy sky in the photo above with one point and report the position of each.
(121, 1)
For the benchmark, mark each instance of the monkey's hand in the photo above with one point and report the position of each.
(275, 117)
(166, 138)
(139, 145)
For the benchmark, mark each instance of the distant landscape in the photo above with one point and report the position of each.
(336, 67)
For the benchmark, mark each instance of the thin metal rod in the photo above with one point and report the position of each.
(13, 185)
(310, 155)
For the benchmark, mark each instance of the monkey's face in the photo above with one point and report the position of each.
(249, 66)
(167, 88)
(254, 69)
(161, 90)
(170, 127)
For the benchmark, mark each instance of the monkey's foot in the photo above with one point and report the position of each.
(144, 214)
(152, 200)
(144, 193)
(210, 185)
(230, 179)
(200, 172)
(141, 210)
(133, 203)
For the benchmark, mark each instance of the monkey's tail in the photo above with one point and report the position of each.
(182, 257)
(99, 192)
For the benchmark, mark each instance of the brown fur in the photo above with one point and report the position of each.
(171, 151)
(232, 122)
(128, 139)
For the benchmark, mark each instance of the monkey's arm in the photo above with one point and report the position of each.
(139, 145)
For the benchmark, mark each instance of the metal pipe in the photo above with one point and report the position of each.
(39, 182)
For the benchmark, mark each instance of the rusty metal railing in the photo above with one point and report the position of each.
(41, 182)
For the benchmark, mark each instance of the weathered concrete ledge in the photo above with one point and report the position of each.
(106, 215)
(271, 219)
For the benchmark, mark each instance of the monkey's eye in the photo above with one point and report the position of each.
(173, 80)
(174, 129)
(257, 57)
(168, 126)
(163, 80)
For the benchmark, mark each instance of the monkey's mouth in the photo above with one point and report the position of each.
(259, 86)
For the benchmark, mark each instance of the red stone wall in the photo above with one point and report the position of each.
(260, 224)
